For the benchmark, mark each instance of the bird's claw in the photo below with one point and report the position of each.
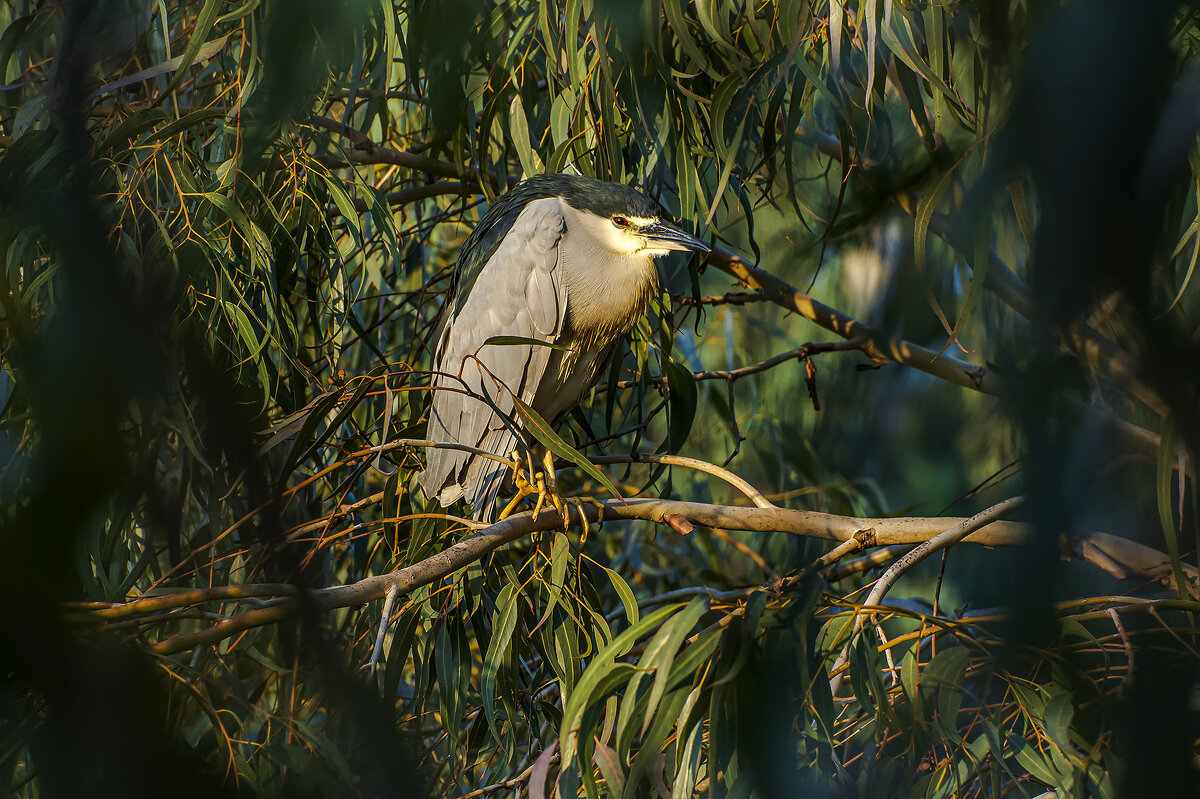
(524, 486)
(548, 489)
(541, 495)
(543, 484)
(577, 503)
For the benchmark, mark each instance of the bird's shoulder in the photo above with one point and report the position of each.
(518, 208)
(529, 242)
(540, 224)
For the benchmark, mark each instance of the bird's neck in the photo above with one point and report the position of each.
(605, 303)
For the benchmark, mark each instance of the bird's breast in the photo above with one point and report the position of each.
(605, 299)
(602, 305)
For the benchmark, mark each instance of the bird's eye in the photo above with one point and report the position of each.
(620, 221)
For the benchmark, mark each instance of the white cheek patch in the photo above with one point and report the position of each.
(622, 241)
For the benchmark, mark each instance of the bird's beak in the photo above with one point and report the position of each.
(669, 237)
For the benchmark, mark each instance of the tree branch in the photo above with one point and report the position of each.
(799, 353)
(882, 348)
(1118, 556)
(366, 151)
(732, 298)
(875, 344)
(752, 493)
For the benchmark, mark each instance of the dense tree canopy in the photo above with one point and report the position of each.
(894, 490)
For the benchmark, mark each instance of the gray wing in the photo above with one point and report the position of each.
(519, 292)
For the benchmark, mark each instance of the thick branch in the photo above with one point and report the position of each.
(1121, 557)
(1109, 359)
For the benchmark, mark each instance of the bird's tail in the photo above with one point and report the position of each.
(485, 477)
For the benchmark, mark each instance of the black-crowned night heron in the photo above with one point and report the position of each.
(560, 259)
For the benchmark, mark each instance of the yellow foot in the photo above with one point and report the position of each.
(541, 483)
(548, 488)
(577, 503)
(524, 486)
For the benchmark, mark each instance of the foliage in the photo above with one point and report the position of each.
(227, 230)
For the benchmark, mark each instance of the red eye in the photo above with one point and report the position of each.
(620, 221)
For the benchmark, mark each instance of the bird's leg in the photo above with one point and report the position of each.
(548, 487)
(545, 486)
(525, 487)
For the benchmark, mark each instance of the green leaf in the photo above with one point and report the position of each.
(909, 679)
(1033, 761)
(597, 680)
(1020, 204)
(650, 758)
(446, 657)
(871, 13)
(196, 43)
(518, 128)
(678, 24)
(1057, 721)
(522, 341)
(566, 656)
(203, 52)
(688, 757)
(544, 433)
(29, 112)
(683, 404)
(925, 214)
(504, 622)
(610, 767)
(661, 651)
(947, 674)
(628, 600)
(560, 558)
(345, 205)
(899, 38)
(1166, 516)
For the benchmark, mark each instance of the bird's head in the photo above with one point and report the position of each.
(647, 235)
(620, 218)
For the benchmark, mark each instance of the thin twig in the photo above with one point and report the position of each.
(898, 569)
(748, 552)
(1116, 619)
(383, 625)
(732, 298)
(801, 353)
(738, 438)
(752, 493)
